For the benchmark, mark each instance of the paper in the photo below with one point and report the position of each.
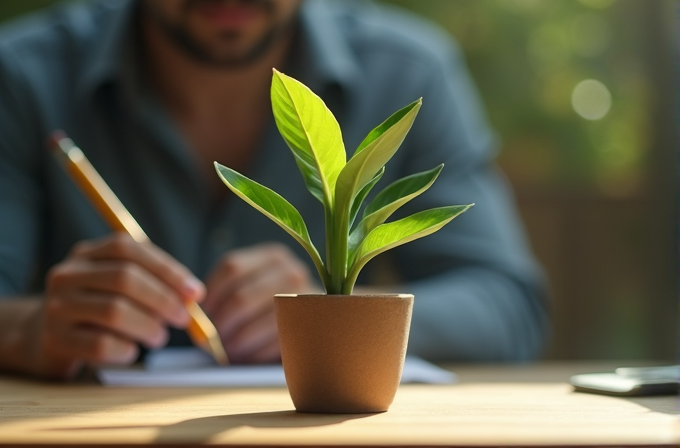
(190, 367)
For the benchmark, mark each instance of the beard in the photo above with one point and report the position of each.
(181, 36)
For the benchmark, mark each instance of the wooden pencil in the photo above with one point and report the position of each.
(201, 331)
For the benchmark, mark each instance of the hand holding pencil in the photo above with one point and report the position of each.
(115, 292)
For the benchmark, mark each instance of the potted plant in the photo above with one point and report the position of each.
(342, 353)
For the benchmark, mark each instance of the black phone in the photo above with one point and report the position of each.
(625, 386)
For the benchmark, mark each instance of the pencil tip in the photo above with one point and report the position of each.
(54, 138)
(219, 353)
(213, 346)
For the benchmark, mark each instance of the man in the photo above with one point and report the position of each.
(154, 91)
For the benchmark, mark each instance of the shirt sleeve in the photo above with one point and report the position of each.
(20, 197)
(479, 294)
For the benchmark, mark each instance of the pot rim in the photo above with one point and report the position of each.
(385, 295)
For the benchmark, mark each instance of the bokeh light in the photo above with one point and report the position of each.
(591, 99)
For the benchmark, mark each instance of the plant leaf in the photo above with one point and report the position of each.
(367, 161)
(312, 134)
(359, 198)
(273, 206)
(393, 234)
(406, 187)
(389, 200)
(384, 126)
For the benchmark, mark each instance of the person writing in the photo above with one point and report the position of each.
(154, 91)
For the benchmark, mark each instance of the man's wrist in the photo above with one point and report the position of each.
(18, 334)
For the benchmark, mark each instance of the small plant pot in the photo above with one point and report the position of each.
(343, 354)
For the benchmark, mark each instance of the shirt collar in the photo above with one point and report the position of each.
(327, 56)
(105, 59)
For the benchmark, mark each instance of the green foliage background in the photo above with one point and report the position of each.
(527, 57)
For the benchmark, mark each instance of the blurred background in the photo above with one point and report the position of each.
(583, 94)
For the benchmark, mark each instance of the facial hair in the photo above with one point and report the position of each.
(182, 38)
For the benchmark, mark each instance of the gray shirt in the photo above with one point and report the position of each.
(479, 294)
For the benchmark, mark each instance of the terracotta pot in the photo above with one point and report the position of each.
(343, 354)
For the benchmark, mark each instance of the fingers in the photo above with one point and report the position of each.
(113, 313)
(234, 268)
(249, 300)
(125, 279)
(149, 257)
(243, 266)
(240, 298)
(107, 296)
(257, 342)
(91, 345)
(244, 283)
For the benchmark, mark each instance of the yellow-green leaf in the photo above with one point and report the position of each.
(393, 234)
(274, 207)
(359, 198)
(389, 200)
(312, 134)
(383, 142)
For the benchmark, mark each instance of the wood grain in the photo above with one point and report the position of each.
(467, 414)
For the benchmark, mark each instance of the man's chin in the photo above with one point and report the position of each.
(230, 52)
(234, 57)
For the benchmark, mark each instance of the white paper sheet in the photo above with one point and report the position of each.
(189, 367)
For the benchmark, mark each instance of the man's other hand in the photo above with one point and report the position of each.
(240, 298)
(104, 298)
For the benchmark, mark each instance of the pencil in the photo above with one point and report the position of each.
(201, 331)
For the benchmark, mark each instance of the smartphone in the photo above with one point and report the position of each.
(626, 383)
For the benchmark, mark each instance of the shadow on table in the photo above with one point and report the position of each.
(659, 403)
(203, 429)
(200, 430)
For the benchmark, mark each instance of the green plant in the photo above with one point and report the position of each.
(313, 135)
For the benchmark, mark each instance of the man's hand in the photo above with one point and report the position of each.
(240, 298)
(105, 297)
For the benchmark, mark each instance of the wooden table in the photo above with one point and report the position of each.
(490, 406)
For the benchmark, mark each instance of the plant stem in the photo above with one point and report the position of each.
(338, 252)
(351, 279)
(328, 279)
(322, 271)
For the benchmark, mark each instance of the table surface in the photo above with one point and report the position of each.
(490, 406)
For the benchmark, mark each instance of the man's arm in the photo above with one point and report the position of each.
(479, 292)
(17, 320)
(106, 296)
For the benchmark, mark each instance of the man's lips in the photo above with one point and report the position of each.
(228, 15)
